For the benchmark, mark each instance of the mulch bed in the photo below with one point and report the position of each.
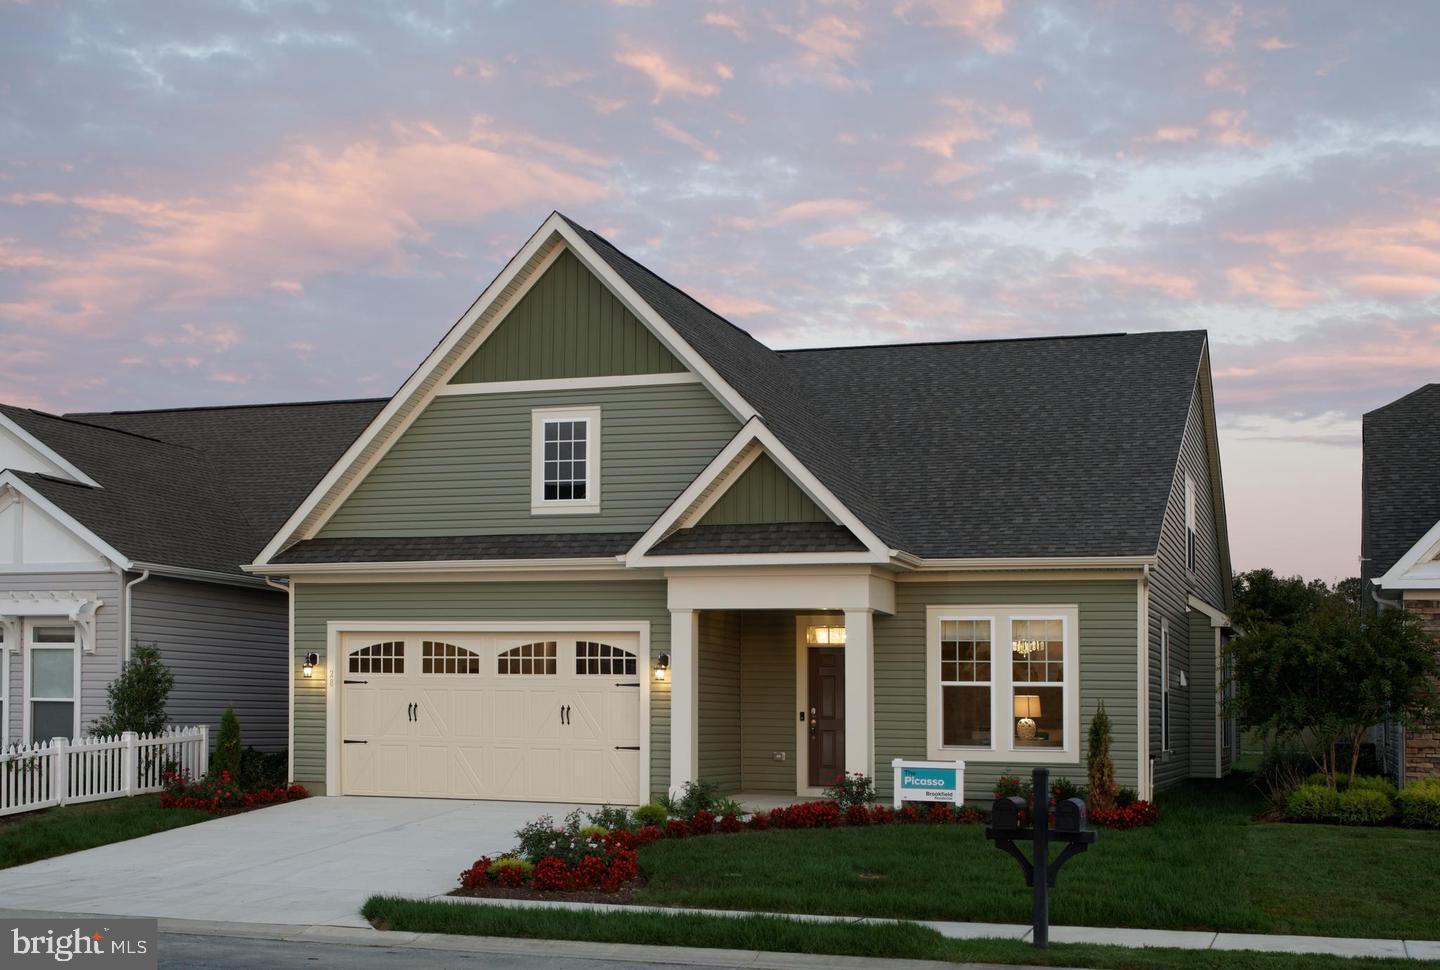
(625, 895)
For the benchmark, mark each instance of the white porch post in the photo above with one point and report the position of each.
(684, 697)
(859, 692)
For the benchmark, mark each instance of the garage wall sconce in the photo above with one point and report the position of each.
(662, 664)
(308, 669)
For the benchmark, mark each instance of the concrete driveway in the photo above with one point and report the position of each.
(307, 862)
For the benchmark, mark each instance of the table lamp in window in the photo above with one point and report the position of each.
(1027, 708)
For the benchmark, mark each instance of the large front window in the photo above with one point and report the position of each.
(1003, 683)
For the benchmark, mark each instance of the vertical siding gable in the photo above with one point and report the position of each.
(463, 467)
(763, 494)
(569, 324)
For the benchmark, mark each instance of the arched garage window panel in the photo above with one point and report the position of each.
(447, 658)
(529, 658)
(603, 659)
(379, 658)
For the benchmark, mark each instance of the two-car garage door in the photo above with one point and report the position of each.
(528, 716)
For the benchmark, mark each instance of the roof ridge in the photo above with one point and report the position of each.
(71, 419)
(979, 340)
(223, 407)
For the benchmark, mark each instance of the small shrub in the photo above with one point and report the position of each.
(909, 815)
(1064, 788)
(566, 840)
(730, 823)
(551, 874)
(1375, 783)
(651, 814)
(881, 815)
(510, 871)
(1009, 786)
(676, 829)
(138, 697)
(1363, 806)
(695, 796)
(1099, 766)
(1281, 771)
(702, 823)
(594, 832)
(728, 806)
(262, 769)
(1125, 797)
(758, 821)
(1313, 803)
(622, 868)
(857, 815)
(941, 814)
(227, 744)
(1137, 814)
(648, 835)
(590, 872)
(610, 818)
(852, 788)
(1419, 804)
(477, 875)
(972, 816)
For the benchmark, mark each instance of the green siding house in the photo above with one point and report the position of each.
(603, 542)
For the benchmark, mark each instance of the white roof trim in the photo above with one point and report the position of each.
(9, 479)
(48, 453)
(1036, 562)
(440, 565)
(732, 459)
(1218, 618)
(1418, 568)
(427, 379)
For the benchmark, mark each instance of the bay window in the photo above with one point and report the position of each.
(1004, 683)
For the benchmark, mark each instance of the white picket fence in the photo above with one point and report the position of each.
(62, 772)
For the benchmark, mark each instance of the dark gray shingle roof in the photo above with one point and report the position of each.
(1400, 482)
(747, 538)
(590, 545)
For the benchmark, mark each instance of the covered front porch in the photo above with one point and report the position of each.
(773, 703)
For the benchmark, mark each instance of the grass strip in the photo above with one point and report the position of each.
(71, 828)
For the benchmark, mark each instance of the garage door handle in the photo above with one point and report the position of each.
(348, 741)
(627, 747)
(357, 681)
(636, 684)
(564, 713)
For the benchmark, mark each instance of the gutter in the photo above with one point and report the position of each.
(126, 642)
(202, 575)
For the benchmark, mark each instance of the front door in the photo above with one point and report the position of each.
(827, 715)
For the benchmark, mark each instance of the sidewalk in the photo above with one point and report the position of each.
(1113, 936)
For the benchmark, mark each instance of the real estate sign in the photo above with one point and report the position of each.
(929, 781)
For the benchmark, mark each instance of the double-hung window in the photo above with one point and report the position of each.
(1004, 683)
(565, 461)
(1190, 551)
(53, 670)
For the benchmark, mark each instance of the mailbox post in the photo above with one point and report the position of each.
(1071, 828)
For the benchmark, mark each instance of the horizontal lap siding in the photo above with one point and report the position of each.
(719, 698)
(1202, 687)
(316, 604)
(97, 669)
(464, 466)
(226, 645)
(1108, 657)
(767, 671)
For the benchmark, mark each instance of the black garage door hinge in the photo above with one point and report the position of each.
(348, 741)
(636, 684)
(357, 681)
(627, 747)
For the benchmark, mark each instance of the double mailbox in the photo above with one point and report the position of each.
(1005, 814)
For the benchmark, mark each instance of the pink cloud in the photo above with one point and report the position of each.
(1212, 27)
(1276, 44)
(826, 45)
(980, 20)
(1228, 128)
(1227, 77)
(1402, 256)
(1272, 283)
(1137, 278)
(839, 238)
(969, 120)
(1391, 285)
(669, 80)
(1172, 134)
(678, 134)
(731, 305)
(716, 18)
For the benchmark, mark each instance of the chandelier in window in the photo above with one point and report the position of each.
(1024, 647)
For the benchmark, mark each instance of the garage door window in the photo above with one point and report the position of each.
(379, 658)
(603, 659)
(529, 658)
(447, 658)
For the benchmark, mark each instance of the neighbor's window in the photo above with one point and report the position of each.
(1021, 705)
(52, 682)
(1189, 522)
(566, 461)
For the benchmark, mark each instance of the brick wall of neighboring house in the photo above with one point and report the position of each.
(1422, 747)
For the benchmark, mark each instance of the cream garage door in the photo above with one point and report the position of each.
(531, 717)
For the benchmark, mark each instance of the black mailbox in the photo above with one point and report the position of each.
(1070, 815)
(1005, 813)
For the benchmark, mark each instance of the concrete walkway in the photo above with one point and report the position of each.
(1107, 936)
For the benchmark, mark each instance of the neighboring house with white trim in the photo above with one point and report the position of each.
(1400, 542)
(129, 527)
(602, 542)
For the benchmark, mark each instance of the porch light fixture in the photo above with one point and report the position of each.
(308, 669)
(1027, 708)
(662, 664)
(825, 636)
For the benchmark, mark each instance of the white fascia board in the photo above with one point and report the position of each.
(755, 432)
(45, 451)
(567, 384)
(1218, 618)
(440, 565)
(1036, 562)
(1408, 571)
(414, 394)
(765, 559)
(104, 549)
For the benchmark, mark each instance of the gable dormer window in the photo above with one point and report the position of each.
(565, 461)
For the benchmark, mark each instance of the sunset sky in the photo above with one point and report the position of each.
(231, 203)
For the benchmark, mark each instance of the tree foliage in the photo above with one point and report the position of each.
(1311, 667)
(1101, 768)
(138, 697)
(227, 745)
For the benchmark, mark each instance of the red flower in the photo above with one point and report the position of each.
(648, 835)
(730, 823)
(624, 866)
(477, 875)
(881, 814)
(676, 829)
(941, 814)
(758, 821)
(857, 815)
(552, 874)
(702, 823)
(909, 815)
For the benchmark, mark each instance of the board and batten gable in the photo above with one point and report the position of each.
(464, 466)
(227, 646)
(763, 494)
(568, 324)
(319, 603)
(1109, 655)
(1171, 585)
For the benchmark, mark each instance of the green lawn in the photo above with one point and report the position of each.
(58, 831)
(775, 934)
(1205, 866)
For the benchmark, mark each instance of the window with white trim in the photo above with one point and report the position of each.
(53, 669)
(565, 461)
(1003, 683)
(1190, 540)
(1164, 684)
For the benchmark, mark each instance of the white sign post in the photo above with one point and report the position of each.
(929, 781)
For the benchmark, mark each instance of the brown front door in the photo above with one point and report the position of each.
(827, 715)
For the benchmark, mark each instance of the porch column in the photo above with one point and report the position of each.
(859, 692)
(684, 697)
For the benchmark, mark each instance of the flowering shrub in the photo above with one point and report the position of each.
(851, 789)
(624, 866)
(570, 839)
(806, 815)
(648, 835)
(941, 814)
(676, 829)
(511, 872)
(477, 875)
(881, 815)
(730, 823)
(909, 815)
(1136, 815)
(758, 821)
(553, 874)
(702, 823)
(221, 793)
(857, 815)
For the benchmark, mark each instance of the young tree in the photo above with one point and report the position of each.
(227, 745)
(1101, 768)
(1312, 668)
(139, 695)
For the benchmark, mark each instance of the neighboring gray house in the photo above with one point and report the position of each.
(131, 526)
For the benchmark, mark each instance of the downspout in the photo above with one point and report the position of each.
(125, 647)
(1142, 721)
